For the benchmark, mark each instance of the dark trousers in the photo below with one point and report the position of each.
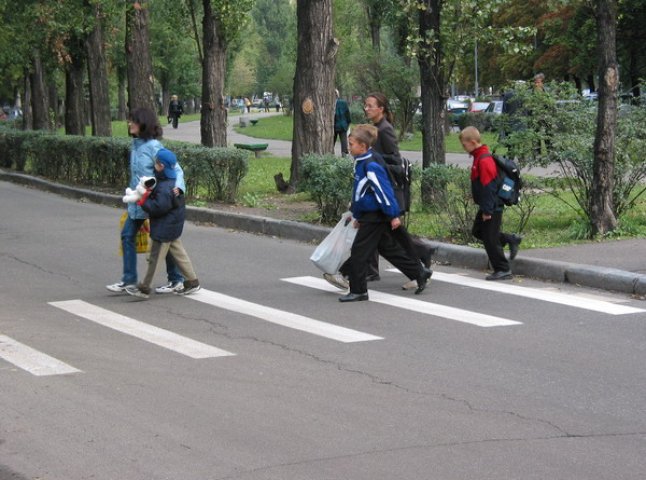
(378, 237)
(343, 138)
(414, 247)
(493, 239)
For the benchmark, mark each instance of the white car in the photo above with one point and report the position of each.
(495, 107)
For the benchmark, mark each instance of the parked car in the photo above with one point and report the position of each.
(453, 103)
(478, 107)
(495, 107)
(455, 114)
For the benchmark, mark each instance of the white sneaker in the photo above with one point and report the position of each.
(119, 287)
(337, 280)
(170, 287)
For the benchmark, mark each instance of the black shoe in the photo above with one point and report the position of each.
(513, 246)
(422, 281)
(374, 277)
(354, 297)
(500, 275)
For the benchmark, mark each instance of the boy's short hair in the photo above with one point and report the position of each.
(168, 160)
(364, 133)
(470, 134)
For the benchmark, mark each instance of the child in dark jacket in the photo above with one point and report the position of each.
(376, 213)
(167, 212)
(484, 188)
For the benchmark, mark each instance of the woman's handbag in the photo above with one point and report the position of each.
(142, 239)
(335, 248)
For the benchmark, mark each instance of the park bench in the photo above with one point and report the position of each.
(256, 148)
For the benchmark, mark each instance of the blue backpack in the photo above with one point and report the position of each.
(508, 181)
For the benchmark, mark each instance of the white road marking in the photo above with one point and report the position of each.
(420, 306)
(281, 317)
(535, 293)
(141, 330)
(33, 361)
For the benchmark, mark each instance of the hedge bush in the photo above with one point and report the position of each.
(213, 174)
(328, 179)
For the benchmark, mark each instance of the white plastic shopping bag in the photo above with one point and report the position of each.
(335, 248)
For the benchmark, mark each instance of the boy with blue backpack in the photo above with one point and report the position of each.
(485, 188)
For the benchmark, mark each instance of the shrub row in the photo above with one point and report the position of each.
(213, 174)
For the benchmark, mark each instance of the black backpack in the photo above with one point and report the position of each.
(401, 176)
(509, 181)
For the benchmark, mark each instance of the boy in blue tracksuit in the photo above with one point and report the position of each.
(167, 212)
(376, 213)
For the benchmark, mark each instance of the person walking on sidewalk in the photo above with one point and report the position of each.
(167, 212)
(375, 212)
(488, 221)
(342, 120)
(175, 110)
(144, 127)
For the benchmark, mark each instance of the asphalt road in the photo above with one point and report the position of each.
(241, 382)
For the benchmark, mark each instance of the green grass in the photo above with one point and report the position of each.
(280, 127)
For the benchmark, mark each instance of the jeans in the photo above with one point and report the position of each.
(128, 234)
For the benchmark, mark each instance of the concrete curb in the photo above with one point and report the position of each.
(457, 255)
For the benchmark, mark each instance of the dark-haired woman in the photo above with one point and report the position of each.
(378, 112)
(143, 126)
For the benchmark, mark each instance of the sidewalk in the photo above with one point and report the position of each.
(618, 265)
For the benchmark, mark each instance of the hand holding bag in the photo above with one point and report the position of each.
(335, 248)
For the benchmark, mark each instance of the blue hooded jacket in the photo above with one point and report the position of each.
(142, 161)
(373, 198)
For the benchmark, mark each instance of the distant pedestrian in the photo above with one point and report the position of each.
(175, 111)
(143, 126)
(247, 103)
(167, 212)
(376, 213)
(488, 221)
(265, 102)
(342, 120)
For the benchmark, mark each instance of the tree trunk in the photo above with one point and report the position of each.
(74, 96)
(602, 212)
(213, 121)
(98, 77)
(39, 101)
(138, 57)
(433, 88)
(122, 108)
(314, 97)
(374, 21)
(52, 99)
(27, 111)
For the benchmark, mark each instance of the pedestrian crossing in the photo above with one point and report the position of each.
(414, 305)
(41, 364)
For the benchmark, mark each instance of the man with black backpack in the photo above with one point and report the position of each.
(485, 188)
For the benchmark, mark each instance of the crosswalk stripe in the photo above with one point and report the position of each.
(150, 333)
(33, 361)
(281, 317)
(420, 306)
(535, 293)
